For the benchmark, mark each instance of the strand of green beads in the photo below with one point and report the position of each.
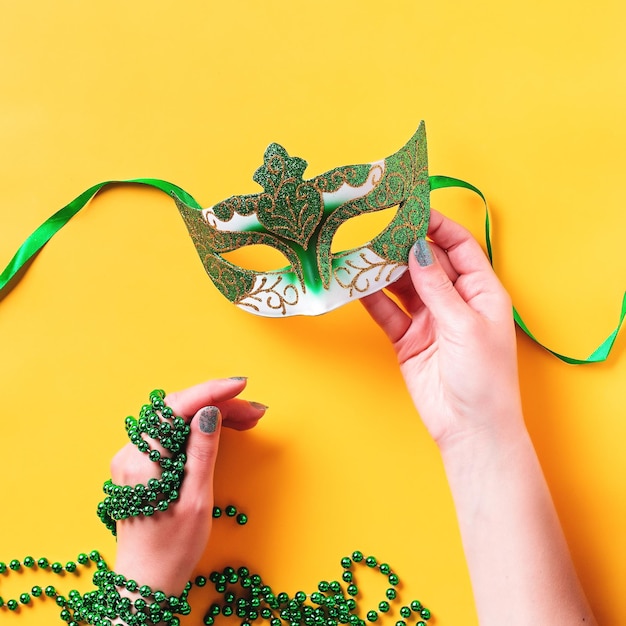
(157, 421)
(50, 591)
(106, 602)
(391, 594)
(231, 511)
(330, 605)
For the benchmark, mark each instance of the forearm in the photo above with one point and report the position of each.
(517, 556)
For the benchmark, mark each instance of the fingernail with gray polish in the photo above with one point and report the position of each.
(423, 253)
(258, 405)
(238, 378)
(207, 419)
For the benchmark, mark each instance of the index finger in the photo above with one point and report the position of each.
(189, 401)
(464, 252)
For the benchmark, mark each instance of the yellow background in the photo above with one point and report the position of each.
(525, 100)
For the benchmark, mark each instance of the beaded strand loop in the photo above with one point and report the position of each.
(157, 421)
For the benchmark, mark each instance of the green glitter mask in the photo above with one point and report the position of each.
(300, 217)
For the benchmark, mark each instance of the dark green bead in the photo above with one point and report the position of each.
(50, 591)
(145, 591)
(383, 606)
(227, 610)
(230, 510)
(29, 561)
(346, 562)
(300, 596)
(353, 589)
(36, 591)
(15, 565)
(357, 556)
(420, 623)
(405, 611)
(56, 567)
(217, 512)
(242, 519)
(25, 598)
(335, 587)
(416, 606)
(425, 613)
(159, 596)
(70, 566)
(94, 555)
(131, 585)
(384, 568)
(208, 620)
(347, 577)
(372, 616)
(12, 605)
(323, 586)
(393, 579)
(3, 567)
(370, 561)
(200, 581)
(42, 563)
(215, 609)
(400, 623)
(391, 593)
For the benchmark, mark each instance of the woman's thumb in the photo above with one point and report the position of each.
(433, 285)
(202, 447)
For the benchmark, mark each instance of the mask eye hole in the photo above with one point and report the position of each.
(360, 229)
(257, 258)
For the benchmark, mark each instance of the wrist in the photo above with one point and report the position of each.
(170, 580)
(485, 445)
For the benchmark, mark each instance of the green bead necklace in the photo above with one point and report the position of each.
(243, 595)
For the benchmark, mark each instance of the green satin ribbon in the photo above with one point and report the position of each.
(602, 352)
(38, 239)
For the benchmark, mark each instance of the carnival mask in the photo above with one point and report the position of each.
(300, 217)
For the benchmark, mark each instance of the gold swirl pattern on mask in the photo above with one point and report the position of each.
(270, 295)
(361, 280)
(353, 175)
